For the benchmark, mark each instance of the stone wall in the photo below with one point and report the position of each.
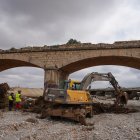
(118, 44)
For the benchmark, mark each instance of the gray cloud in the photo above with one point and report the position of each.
(39, 22)
(52, 10)
(52, 22)
(49, 22)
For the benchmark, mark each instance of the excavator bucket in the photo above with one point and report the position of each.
(121, 99)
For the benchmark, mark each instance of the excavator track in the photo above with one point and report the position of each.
(71, 112)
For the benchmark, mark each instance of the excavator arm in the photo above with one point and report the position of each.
(121, 97)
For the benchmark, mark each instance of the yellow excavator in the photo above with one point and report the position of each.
(73, 101)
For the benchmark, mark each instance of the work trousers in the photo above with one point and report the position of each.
(11, 103)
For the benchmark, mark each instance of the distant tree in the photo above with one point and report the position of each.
(73, 41)
(12, 49)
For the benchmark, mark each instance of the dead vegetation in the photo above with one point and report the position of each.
(4, 87)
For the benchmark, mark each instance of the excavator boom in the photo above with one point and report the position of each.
(121, 97)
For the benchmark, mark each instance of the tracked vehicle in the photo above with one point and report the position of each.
(73, 101)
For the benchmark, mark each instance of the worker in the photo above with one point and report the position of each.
(11, 101)
(18, 100)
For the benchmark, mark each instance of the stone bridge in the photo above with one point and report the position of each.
(61, 60)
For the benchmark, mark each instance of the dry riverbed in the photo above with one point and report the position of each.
(25, 126)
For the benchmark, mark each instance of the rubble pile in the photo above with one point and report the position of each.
(111, 108)
(38, 106)
(4, 87)
(98, 108)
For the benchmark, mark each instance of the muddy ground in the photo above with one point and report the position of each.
(25, 126)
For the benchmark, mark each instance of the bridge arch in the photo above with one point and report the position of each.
(132, 62)
(23, 76)
(13, 63)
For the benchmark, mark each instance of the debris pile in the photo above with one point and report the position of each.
(38, 106)
(98, 108)
(111, 108)
(4, 87)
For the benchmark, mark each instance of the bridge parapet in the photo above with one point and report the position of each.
(127, 43)
(74, 47)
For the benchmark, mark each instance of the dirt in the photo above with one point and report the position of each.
(107, 126)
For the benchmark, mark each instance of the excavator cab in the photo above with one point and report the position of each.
(70, 94)
(72, 84)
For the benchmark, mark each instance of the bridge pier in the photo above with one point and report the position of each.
(54, 78)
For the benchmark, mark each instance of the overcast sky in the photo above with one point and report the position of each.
(39, 22)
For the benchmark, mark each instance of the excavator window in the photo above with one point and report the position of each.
(72, 84)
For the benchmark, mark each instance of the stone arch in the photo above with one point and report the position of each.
(101, 60)
(18, 60)
(12, 63)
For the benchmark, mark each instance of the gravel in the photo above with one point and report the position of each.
(25, 126)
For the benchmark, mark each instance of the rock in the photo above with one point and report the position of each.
(16, 128)
(32, 120)
(88, 128)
